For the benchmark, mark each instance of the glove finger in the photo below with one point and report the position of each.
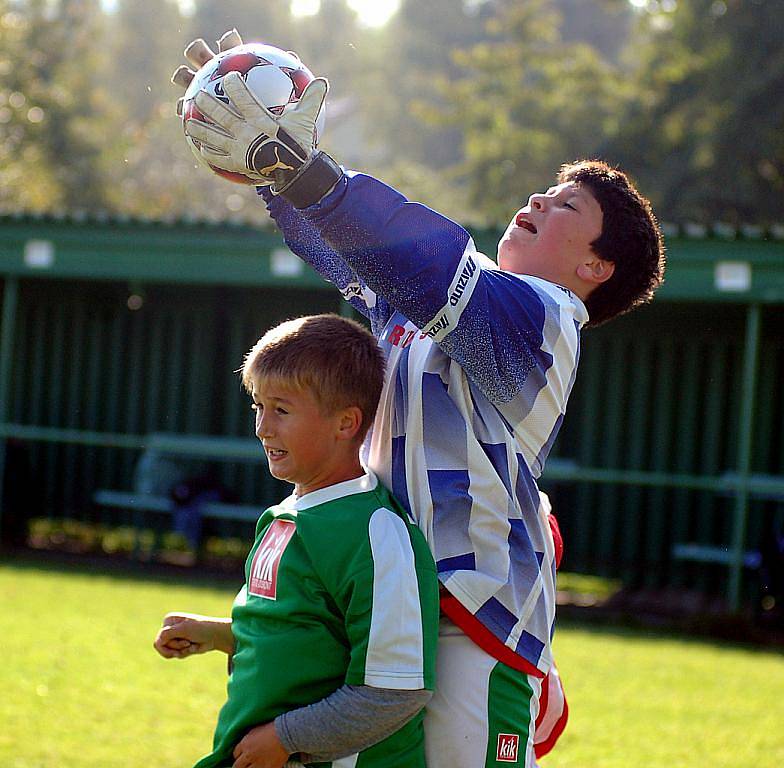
(218, 112)
(182, 76)
(295, 55)
(301, 120)
(312, 98)
(198, 53)
(209, 135)
(229, 39)
(218, 160)
(246, 103)
(180, 103)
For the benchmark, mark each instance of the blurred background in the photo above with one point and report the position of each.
(468, 104)
(134, 280)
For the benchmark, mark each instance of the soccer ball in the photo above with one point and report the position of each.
(277, 79)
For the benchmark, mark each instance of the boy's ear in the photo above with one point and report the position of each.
(596, 271)
(350, 422)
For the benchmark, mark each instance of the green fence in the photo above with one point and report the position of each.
(669, 469)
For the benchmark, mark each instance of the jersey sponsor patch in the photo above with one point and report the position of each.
(263, 580)
(508, 744)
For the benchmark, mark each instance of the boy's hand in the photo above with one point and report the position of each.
(260, 748)
(248, 138)
(185, 634)
(278, 151)
(198, 54)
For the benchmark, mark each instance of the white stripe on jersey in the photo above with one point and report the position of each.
(460, 290)
(395, 642)
(346, 762)
(561, 340)
(431, 442)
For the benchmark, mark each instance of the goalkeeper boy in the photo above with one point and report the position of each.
(332, 637)
(481, 358)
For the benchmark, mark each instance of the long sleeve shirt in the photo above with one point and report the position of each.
(480, 364)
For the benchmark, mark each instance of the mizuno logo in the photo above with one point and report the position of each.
(352, 290)
(468, 272)
(441, 324)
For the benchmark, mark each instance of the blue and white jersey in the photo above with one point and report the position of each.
(480, 364)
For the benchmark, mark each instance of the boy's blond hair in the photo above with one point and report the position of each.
(335, 358)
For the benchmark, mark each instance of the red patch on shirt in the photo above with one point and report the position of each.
(508, 744)
(263, 581)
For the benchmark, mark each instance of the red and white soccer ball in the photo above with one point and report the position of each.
(277, 79)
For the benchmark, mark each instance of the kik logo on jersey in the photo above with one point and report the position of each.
(263, 580)
(508, 744)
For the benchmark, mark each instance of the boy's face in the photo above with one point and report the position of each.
(303, 445)
(551, 236)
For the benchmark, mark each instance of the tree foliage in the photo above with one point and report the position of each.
(704, 129)
(469, 105)
(527, 101)
(52, 142)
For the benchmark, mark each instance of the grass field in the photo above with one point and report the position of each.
(81, 687)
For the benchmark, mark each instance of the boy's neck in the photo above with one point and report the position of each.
(343, 472)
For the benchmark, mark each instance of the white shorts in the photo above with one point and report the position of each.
(484, 713)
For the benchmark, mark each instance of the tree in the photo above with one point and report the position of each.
(26, 179)
(704, 131)
(78, 107)
(55, 129)
(414, 57)
(527, 102)
(267, 21)
(143, 41)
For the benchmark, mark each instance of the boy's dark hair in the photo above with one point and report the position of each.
(630, 239)
(335, 358)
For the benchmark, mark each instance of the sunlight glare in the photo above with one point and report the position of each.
(305, 7)
(374, 13)
(370, 13)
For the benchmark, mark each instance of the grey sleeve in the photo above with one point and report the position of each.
(347, 721)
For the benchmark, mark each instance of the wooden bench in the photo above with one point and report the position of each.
(143, 504)
(758, 486)
(148, 502)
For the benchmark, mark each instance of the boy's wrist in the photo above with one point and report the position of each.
(282, 732)
(223, 638)
(312, 182)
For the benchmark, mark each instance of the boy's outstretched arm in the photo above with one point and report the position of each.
(301, 236)
(305, 240)
(185, 634)
(504, 330)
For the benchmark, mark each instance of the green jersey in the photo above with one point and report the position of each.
(340, 588)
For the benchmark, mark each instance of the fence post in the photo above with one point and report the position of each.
(7, 330)
(745, 433)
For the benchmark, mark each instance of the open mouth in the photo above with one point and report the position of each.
(275, 453)
(523, 223)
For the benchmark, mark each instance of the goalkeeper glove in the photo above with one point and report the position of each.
(246, 137)
(198, 54)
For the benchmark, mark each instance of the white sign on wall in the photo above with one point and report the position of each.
(732, 276)
(39, 254)
(284, 263)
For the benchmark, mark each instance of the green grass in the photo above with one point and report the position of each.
(81, 687)
(640, 699)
